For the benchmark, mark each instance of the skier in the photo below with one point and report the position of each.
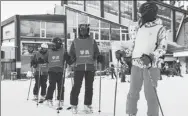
(112, 70)
(39, 60)
(144, 58)
(177, 66)
(56, 57)
(83, 53)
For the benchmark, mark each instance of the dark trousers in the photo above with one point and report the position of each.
(40, 83)
(113, 74)
(54, 78)
(78, 78)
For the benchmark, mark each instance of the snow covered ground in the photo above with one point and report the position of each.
(173, 95)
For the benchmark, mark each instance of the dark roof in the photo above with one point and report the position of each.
(45, 17)
(7, 21)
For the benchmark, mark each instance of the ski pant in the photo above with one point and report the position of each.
(78, 77)
(55, 77)
(40, 83)
(113, 74)
(138, 76)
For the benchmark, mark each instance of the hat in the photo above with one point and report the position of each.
(44, 45)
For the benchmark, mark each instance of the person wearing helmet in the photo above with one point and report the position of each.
(83, 53)
(56, 57)
(39, 63)
(145, 58)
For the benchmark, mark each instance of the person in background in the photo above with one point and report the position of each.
(39, 63)
(178, 67)
(112, 70)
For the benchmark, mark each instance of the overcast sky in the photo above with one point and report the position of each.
(10, 8)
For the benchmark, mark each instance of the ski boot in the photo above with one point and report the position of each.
(74, 109)
(42, 99)
(88, 109)
(49, 102)
(60, 105)
(35, 98)
(132, 114)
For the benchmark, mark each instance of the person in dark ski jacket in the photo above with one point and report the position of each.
(84, 53)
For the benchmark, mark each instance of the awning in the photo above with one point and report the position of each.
(168, 58)
(180, 54)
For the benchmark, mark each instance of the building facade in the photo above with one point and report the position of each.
(21, 37)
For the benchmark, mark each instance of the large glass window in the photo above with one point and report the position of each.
(54, 29)
(82, 19)
(126, 9)
(111, 9)
(105, 31)
(29, 28)
(77, 4)
(71, 18)
(115, 32)
(94, 28)
(93, 7)
(72, 24)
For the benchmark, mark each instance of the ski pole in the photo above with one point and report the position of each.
(62, 84)
(150, 78)
(29, 86)
(38, 85)
(116, 89)
(100, 89)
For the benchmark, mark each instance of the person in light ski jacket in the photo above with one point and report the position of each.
(149, 44)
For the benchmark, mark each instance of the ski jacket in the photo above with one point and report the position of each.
(79, 54)
(55, 60)
(149, 39)
(43, 65)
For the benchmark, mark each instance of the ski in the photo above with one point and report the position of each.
(84, 113)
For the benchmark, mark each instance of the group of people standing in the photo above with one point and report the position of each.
(84, 55)
(149, 47)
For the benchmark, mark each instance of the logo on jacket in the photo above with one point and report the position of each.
(84, 53)
(55, 58)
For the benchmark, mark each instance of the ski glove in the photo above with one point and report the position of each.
(66, 56)
(118, 54)
(100, 59)
(147, 59)
(41, 61)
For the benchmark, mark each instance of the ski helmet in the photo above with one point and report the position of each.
(83, 30)
(57, 42)
(43, 48)
(148, 12)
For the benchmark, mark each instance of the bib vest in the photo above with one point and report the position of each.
(43, 67)
(146, 39)
(84, 51)
(55, 58)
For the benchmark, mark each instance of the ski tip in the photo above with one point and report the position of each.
(60, 108)
(69, 108)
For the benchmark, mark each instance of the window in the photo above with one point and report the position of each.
(42, 29)
(54, 29)
(82, 19)
(105, 31)
(93, 7)
(72, 18)
(111, 10)
(115, 32)
(76, 4)
(126, 9)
